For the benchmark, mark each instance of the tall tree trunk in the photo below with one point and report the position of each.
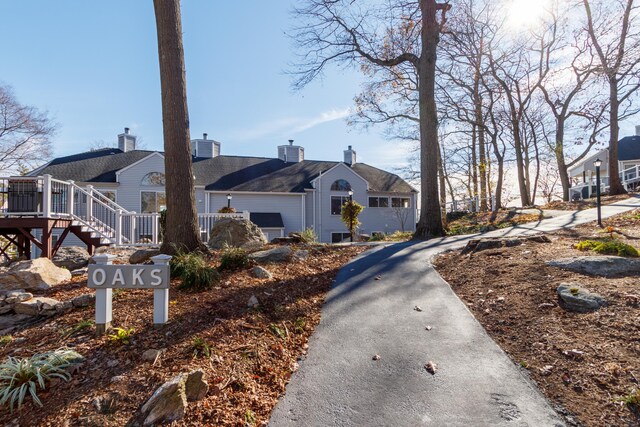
(443, 189)
(430, 222)
(615, 184)
(474, 162)
(522, 183)
(563, 170)
(182, 231)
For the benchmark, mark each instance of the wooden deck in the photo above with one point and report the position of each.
(19, 231)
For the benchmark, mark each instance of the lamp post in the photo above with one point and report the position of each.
(597, 164)
(228, 201)
(351, 215)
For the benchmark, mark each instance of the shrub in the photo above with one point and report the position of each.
(349, 215)
(122, 335)
(5, 339)
(19, 376)
(200, 347)
(192, 269)
(227, 210)
(308, 236)
(377, 237)
(233, 259)
(400, 235)
(608, 247)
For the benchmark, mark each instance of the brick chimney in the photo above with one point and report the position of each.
(126, 141)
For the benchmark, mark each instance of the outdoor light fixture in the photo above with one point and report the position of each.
(597, 164)
(228, 201)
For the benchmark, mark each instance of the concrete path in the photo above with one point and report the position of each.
(476, 384)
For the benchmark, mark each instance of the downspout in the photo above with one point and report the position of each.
(319, 231)
(304, 214)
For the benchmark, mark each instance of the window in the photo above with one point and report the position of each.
(153, 178)
(152, 201)
(400, 202)
(109, 194)
(339, 237)
(341, 185)
(336, 204)
(378, 202)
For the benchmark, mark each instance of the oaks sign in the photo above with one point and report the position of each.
(103, 276)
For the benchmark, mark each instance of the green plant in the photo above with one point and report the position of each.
(574, 291)
(632, 399)
(77, 328)
(200, 347)
(250, 418)
(308, 236)
(277, 331)
(349, 215)
(122, 335)
(192, 268)
(524, 364)
(377, 237)
(5, 339)
(233, 259)
(21, 375)
(227, 210)
(610, 247)
(299, 325)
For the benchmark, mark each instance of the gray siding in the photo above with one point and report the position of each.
(387, 220)
(289, 206)
(130, 188)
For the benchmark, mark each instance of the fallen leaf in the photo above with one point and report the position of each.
(417, 308)
(431, 367)
(428, 328)
(378, 278)
(376, 357)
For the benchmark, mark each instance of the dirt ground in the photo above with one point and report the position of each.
(252, 351)
(584, 363)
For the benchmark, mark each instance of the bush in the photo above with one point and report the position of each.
(192, 269)
(377, 237)
(607, 247)
(227, 210)
(308, 236)
(233, 259)
(19, 376)
(122, 335)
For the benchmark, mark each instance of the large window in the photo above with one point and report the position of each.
(378, 202)
(400, 202)
(152, 201)
(340, 237)
(341, 185)
(336, 204)
(153, 178)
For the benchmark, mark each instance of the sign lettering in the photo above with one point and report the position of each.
(128, 276)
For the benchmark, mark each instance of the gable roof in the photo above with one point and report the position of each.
(267, 220)
(629, 148)
(221, 173)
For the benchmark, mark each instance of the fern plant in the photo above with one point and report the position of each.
(19, 376)
(233, 259)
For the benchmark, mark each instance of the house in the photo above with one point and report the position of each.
(283, 194)
(583, 174)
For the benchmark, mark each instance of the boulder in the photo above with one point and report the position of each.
(36, 306)
(71, 257)
(152, 354)
(280, 254)
(83, 300)
(142, 255)
(576, 298)
(79, 272)
(261, 273)
(235, 232)
(301, 254)
(196, 386)
(17, 296)
(476, 245)
(605, 265)
(169, 402)
(34, 275)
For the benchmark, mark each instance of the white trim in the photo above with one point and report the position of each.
(267, 193)
(378, 197)
(155, 153)
(345, 166)
(147, 190)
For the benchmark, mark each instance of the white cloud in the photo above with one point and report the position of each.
(287, 126)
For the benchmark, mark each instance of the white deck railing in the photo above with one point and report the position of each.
(47, 197)
(630, 177)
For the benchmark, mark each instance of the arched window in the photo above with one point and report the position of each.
(153, 178)
(341, 185)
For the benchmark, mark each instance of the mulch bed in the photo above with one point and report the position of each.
(584, 363)
(253, 351)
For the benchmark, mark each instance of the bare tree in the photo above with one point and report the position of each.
(182, 231)
(25, 134)
(383, 35)
(614, 35)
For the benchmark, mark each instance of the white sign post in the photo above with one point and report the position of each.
(103, 276)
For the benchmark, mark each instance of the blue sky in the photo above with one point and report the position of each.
(94, 67)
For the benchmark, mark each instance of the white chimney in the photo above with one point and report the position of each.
(638, 130)
(205, 147)
(126, 141)
(291, 153)
(350, 156)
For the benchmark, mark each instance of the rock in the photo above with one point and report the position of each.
(253, 302)
(104, 404)
(142, 255)
(36, 274)
(71, 257)
(168, 403)
(79, 272)
(576, 298)
(6, 309)
(261, 273)
(235, 232)
(83, 300)
(152, 354)
(11, 320)
(36, 306)
(112, 363)
(14, 297)
(196, 386)
(301, 254)
(290, 240)
(605, 265)
(64, 306)
(477, 245)
(431, 367)
(280, 254)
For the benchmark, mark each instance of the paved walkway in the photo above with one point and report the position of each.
(476, 384)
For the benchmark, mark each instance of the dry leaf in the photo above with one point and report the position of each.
(431, 367)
